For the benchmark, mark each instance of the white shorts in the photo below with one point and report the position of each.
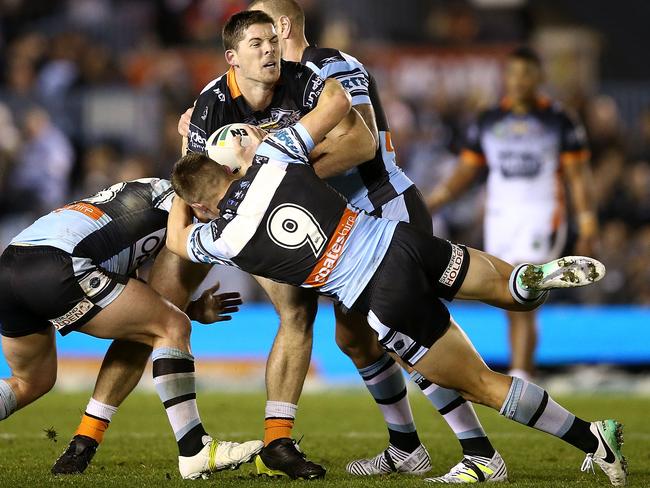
(526, 234)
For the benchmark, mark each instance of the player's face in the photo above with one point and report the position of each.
(258, 54)
(522, 78)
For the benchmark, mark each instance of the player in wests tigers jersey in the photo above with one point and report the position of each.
(379, 186)
(282, 222)
(532, 148)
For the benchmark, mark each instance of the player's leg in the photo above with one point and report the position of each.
(453, 362)
(286, 370)
(385, 381)
(32, 361)
(139, 314)
(123, 364)
(523, 341)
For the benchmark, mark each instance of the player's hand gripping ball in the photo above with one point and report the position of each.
(221, 145)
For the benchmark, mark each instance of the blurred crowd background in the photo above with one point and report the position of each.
(91, 92)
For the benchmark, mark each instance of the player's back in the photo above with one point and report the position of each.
(282, 222)
(118, 228)
(372, 183)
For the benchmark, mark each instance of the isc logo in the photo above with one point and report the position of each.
(284, 137)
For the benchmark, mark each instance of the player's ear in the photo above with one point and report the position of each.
(231, 58)
(284, 27)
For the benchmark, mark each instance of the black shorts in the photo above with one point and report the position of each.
(407, 207)
(402, 299)
(41, 286)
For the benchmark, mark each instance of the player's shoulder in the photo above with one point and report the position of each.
(491, 115)
(322, 56)
(215, 91)
(292, 71)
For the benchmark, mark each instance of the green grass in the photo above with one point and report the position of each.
(139, 449)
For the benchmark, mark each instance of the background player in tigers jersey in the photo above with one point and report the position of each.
(71, 270)
(365, 263)
(531, 147)
(379, 187)
(260, 89)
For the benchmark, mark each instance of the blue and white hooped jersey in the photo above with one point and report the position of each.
(376, 182)
(119, 228)
(282, 222)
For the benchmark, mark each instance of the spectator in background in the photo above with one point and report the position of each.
(40, 178)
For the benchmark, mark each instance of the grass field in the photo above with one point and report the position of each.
(139, 449)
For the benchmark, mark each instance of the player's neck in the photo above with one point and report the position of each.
(524, 105)
(294, 48)
(258, 95)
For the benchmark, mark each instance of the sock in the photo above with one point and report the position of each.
(459, 415)
(385, 381)
(278, 420)
(173, 376)
(531, 405)
(95, 420)
(523, 295)
(8, 400)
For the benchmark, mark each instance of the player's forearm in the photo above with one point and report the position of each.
(349, 144)
(179, 226)
(578, 176)
(453, 187)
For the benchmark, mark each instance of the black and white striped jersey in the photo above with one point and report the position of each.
(282, 222)
(119, 228)
(373, 183)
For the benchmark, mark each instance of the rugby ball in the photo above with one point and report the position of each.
(221, 145)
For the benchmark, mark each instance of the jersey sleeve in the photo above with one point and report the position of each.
(351, 74)
(472, 150)
(290, 145)
(573, 141)
(204, 244)
(199, 130)
(308, 86)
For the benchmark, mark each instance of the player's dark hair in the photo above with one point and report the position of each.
(527, 54)
(278, 8)
(195, 176)
(234, 28)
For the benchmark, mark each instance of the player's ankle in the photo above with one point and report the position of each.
(278, 421)
(92, 427)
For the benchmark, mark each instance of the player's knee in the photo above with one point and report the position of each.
(359, 345)
(298, 318)
(33, 387)
(480, 388)
(175, 326)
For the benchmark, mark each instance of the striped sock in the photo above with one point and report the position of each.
(173, 376)
(531, 405)
(385, 381)
(459, 415)
(8, 401)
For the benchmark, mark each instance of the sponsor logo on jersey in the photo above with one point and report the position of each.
(204, 115)
(280, 118)
(219, 94)
(77, 312)
(94, 283)
(330, 60)
(85, 208)
(354, 82)
(288, 141)
(450, 275)
(313, 90)
(196, 138)
(327, 262)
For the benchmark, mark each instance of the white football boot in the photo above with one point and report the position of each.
(608, 455)
(565, 272)
(475, 469)
(216, 456)
(416, 462)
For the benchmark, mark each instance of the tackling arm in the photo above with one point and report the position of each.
(179, 227)
(349, 144)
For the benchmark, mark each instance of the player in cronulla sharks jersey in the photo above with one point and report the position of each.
(531, 148)
(379, 186)
(72, 270)
(288, 225)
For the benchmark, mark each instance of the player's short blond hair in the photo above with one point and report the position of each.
(195, 177)
(278, 8)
